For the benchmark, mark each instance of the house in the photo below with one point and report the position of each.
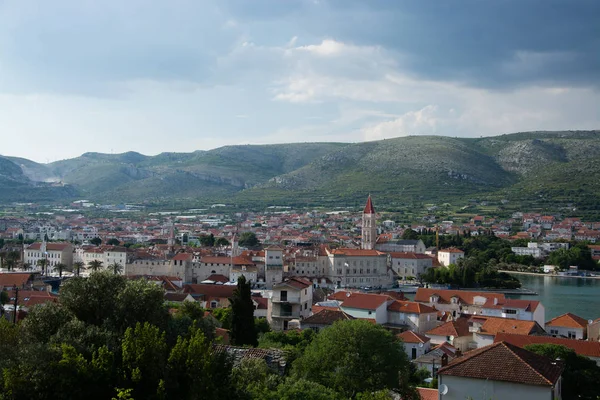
(454, 332)
(399, 245)
(584, 348)
(366, 306)
(415, 344)
(290, 300)
(450, 256)
(525, 310)
(408, 265)
(323, 319)
(210, 296)
(171, 297)
(593, 331)
(412, 315)
(15, 279)
(484, 329)
(458, 302)
(261, 306)
(568, 325)
(433, 360)
(250, 272)
(500, 371)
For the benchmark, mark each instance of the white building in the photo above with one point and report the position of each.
(291, 300)
(500, 371)
(415, 344)
(569, 326)
(54, 253)
(450, 256)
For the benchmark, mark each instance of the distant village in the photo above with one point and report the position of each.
(311, 269)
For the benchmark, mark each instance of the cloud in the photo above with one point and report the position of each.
(420, 122)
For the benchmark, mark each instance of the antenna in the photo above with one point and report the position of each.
(451, 338)
(348, 294)
(590, 321)
(443, 388)
(420, 344)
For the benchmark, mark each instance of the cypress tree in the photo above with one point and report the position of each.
(242, 315)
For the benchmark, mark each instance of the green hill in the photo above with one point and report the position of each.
(538, 169)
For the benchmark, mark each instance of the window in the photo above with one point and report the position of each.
(214, 304)
(305, 306)
(510, 311)
(283, 295)
(572, 335)
(368, 270)
(370, 312)
(414, 353)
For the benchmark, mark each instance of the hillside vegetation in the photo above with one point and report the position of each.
(542, 168)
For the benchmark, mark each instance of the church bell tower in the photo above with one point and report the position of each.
(369, 226)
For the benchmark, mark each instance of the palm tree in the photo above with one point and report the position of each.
(43, 263)
(77, 266)
(26, 266)
(10, 263)
(95, 265)
(116, 268)
(60, 267)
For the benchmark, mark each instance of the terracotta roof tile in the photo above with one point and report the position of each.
(505, 362)
(412, 337)
(410, 307)
(326, 317)
(492, 326)
(11, 279)
(568, 320)
(364, 301)
(428, 394)
(457, 328)
(464, 296)
(581, 347)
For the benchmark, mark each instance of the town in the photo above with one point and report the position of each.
(311, 270)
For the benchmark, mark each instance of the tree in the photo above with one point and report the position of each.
(303, 389)
(60, 267)
(115, 268)
(95, 265)
(356, 356)
(113, 242)
(248, 239)
(581, 376)
(96, 241)
(144, 357)
(42, 263)
(242, 315)
(4, 297)
(410, 234)
(222, 242)
(208, 241)
(77, 266)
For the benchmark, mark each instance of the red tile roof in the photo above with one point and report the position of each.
(356, 252)
(465, 297)
(568, 320)
(364, 301)
(369, 209)
(218, 278)
(456, 328)
(581, 347)
(410, 307)
(428, 394)
(49, 246)
(505, 362)
(412, 337)
(11, 279)
(297, 283)
(326, 317)
(451, 250)
(492, 326)
(221, 291)
(182, 257)
(409, 255)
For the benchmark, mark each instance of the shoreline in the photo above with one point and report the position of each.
(550, 275)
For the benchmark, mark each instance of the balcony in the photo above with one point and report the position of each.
(285, 299)
(285, 314)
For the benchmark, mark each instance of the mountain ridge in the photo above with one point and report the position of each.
(410, 167)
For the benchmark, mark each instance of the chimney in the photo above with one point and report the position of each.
(444, 360)
(495, 301)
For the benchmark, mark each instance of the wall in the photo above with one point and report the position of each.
(580, 333)
(408, 348)
(460, 388)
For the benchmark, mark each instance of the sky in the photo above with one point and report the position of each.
(158, 76)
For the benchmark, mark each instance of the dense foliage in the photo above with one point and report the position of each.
(581, 376)
(113, 338)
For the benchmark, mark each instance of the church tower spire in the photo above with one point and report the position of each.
(369, 226)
